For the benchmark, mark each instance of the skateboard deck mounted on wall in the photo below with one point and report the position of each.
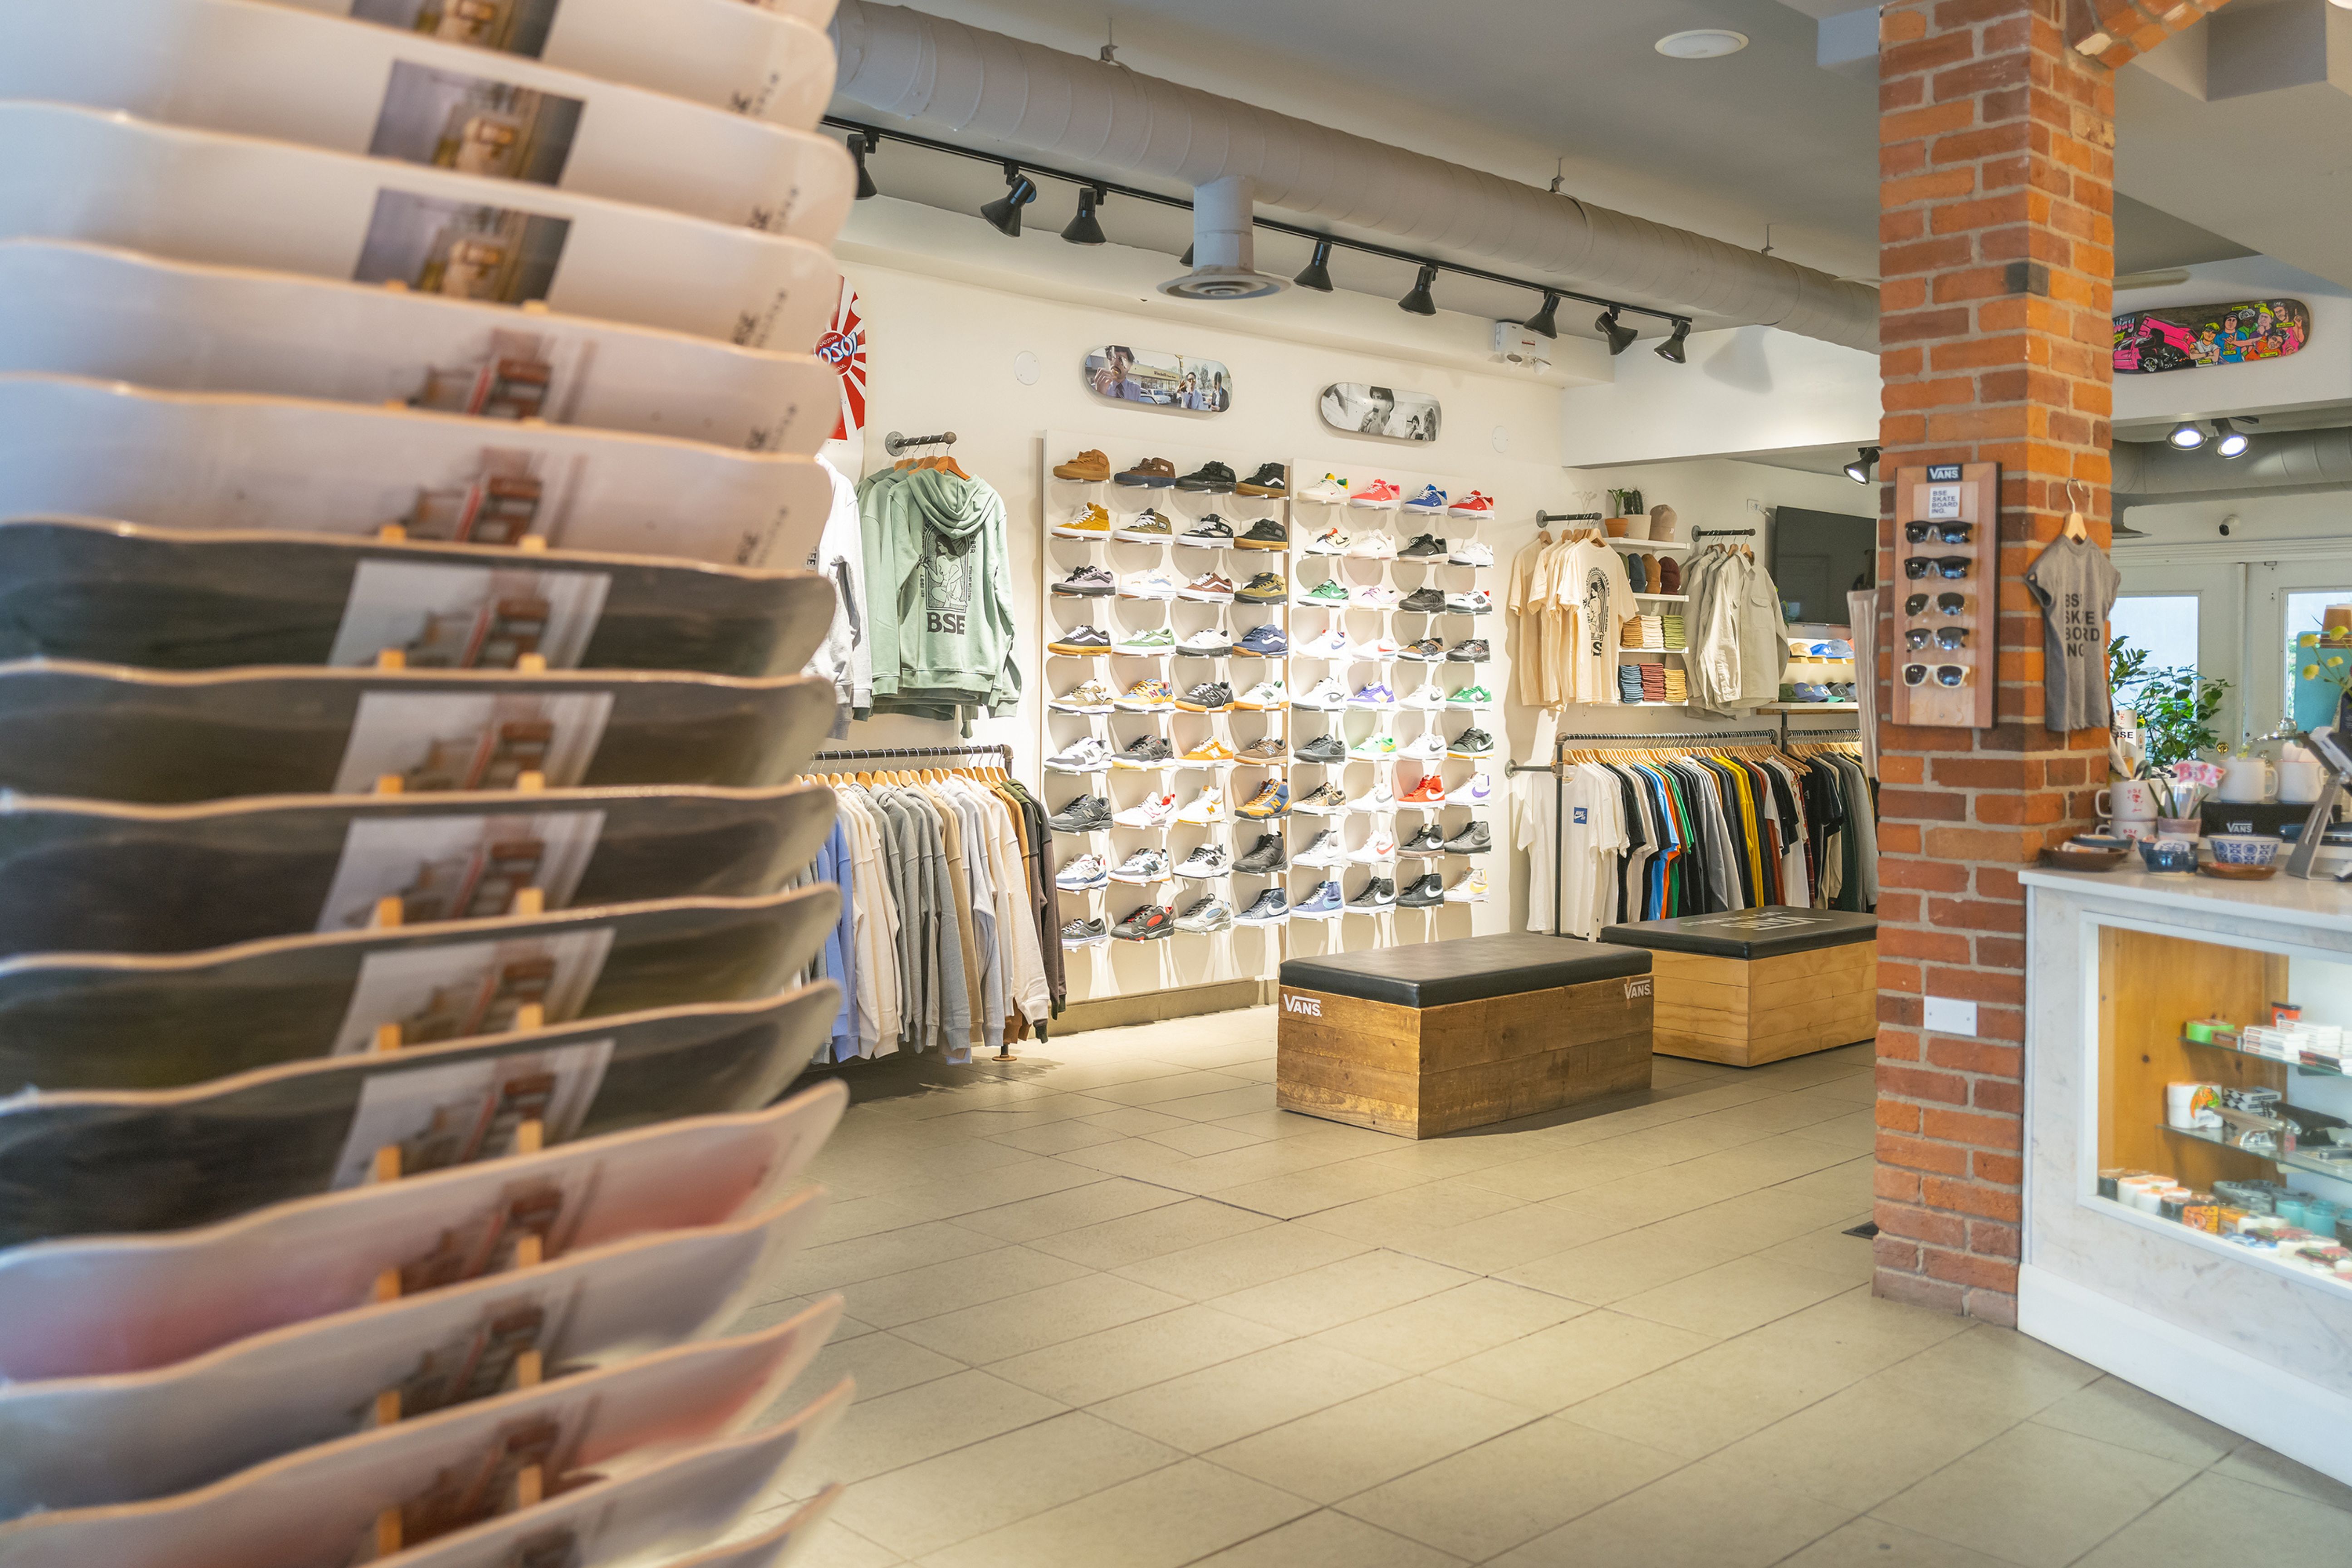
(2194, 337)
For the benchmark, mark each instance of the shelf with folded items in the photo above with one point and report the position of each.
(1623, 648)
(1810, 708)
(1663, 598)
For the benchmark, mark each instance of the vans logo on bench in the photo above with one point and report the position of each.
(1310, 1005)
(1637, 987)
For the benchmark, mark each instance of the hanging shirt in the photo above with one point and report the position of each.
(2075, 583)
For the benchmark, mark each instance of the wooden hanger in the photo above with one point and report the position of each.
(2077, 529)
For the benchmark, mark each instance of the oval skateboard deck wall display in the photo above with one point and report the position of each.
(1385, 411)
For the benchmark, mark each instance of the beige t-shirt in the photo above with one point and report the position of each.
(1522, 604)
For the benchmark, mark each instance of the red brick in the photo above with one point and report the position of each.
(1973, 1056)
(1975, 986)
(1920, 1154)
(1976, 914)
(1967, 1197)
(1897, 1282)
(2003, 1170)
(1915, 1083)
(1917, 1224)
(1971, 1128)
(1987, 1273)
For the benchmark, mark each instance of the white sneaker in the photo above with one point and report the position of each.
(1206, 643)
(1373, 547)
(1379, 849)
(1154, 811)
(1087, 756)
(1470, 552)
(1427, 698)
(1375, 650)
(1475, 790)
(1330, 542)
(1325, 850)
(1154, 584)
(1086, 872)
(1264, 695)
(1379, 798)
(1333, 488)
(1477, 602)
(1426, 747)
(1373, 748)
(1470, 888)
(1206, 810)
(1332, 644)
(1326, 696)
(1090, 696)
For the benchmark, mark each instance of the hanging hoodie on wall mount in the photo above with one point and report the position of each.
(1362, 410)
(1158, 380)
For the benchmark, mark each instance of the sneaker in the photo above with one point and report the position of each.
(1373, 597)
(1151, 640)
(1209, 642)
(1471, 697)
(1472, 743)
(1148, 923)
(1379, 799)
(1272, 907)
(1087, 756)
(1266, 749)
(1087, 696)
(1144, 753)
(1263, 642)
(1272, 799)
(1326, 899)
(1207, 809)
(1378, 893)
(1469, 650)
(1091, 521)
(1149, 526)
(1471, 552)
(1266, 533)
(1151, 585)
(1155, 810)
(1470, 888)
(1088, 467)
(1209, 697)
(1087, 871)
(1151, 474)
(1427, 790)
(1374, 650)
(1425, 547)
(1379, 495)
(1333, 489)
(1266, 588)
(1477, 602)
(1325, 696)
(1210, 478)
(1325, 850)
(1264, 696)
(1373, 749)
(1086, 583)
(1475, 790)
(1425, 894)
(1330, 594)
(1087, 813)
(1206, 861)
(1376, 850)
(1324, 749)
(1327, 542)
(1332, 644)
(1264, 858)
(1373, 547)
(1083, 933)
(1424, 602)
(1081, 642)
(1324, 800)
(1425, 747)
(1146, 697)
(1430, 499)
(1145, 866)
(1475, 839)
(1427, 839)
(1211, 532)
(1425, 698)
(1210, 754)
(1271, 480)
(1208, 588)
(1373, 695)
(1207, 916)
(1428, 650)
(1475, 504)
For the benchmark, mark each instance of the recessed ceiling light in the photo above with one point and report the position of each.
(1702, 43)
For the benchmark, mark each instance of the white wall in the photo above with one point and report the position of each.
(1741, 390)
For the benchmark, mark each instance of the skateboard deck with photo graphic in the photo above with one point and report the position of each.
(75, 1442)
(106, 732)
(86, 1021)
(79, 875)
(94, 1162)
(84, 1304)
(156, 598)
(446, 1472)
(2196, 337)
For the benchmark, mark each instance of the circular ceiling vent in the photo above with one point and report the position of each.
(1702, 43)
(1222, 283)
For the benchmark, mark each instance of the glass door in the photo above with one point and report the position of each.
(2287, 599)
(2185, 616)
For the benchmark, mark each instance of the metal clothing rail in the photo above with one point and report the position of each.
(879, 753)
(1544, 519)
(1699, 533)
(895, 443)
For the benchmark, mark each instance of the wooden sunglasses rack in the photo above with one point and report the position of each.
(1966, 495)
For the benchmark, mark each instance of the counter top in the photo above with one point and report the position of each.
(2322, 902)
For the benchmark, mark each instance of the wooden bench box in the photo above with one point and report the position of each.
(1752, 986)
(1447, 1034)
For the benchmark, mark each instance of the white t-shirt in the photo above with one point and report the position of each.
(1535, 836)
(1590, 840)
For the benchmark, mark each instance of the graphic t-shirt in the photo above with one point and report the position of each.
(2075, 583)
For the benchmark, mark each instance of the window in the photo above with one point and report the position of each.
(2305, 614)
(2163, 623)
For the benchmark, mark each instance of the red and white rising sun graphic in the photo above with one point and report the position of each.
(844, 348)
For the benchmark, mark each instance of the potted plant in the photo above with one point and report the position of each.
(2171, 714)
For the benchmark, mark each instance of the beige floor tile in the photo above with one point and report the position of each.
(930, 1418)
(2036, 1496)
(1124, 1156)
(1203, 1138)
(1439, 1204)
(1489, 1499)
(1622, 1265)
(997, 1482)
(1857, 1447)
(1506, 1240)
(1029, 1322)
(1276, 1123)
(1238, 1261)
(1224, 1404)
(1152, 1092)
(1556, 1367)
(958, 1195)
(1998, 1371)
(2216, 1520)
(1307, 1192)
(1153, 1233)
(1328, 1540)
(835, 1545)
(842, 1263)
(1858, 1330)
(882, 1363)
(1245, 1097)
(1456, 1155)
(1103, 1198)
(1057, 1137)
(1261, 1071)
(2116, 1411)
(2252, 1462)
(951, 1286)
(1828, 1251)
(1421, 1336)
(1685, 1518)
(1340, 1293)
(1735, 1297)
(1258, 1162)
(1554, 1171)
(1646, 1198)
(1340, 1451)
(1875, 1544)
(1043, 1111)
(1133, 1121)
(1112, 1361)
(1170, 1517)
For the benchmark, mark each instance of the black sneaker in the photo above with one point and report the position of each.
(1423, 601)
(1475, 839)
(1428, 840)
(1428, 650)
(1211, 477)
(1425, 547)
(1271, 480)
(1266, 533)
(1326, 749)
(1083, 933)
(1145, 751)
(1425, 894)
(1148, 923)
(1378, 893)
(1266, 588)
(1211, 532)
(1087, 582)
(1081, 642)
(1209, 697)
(1469, 650)
(1470, 743)
(1264, 858)
(1087, 813)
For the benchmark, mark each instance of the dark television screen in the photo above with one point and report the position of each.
(1819, 557)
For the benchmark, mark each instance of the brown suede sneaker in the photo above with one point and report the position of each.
(1152, 473)
(1088, 467)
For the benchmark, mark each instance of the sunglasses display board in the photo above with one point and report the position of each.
(1946, 591)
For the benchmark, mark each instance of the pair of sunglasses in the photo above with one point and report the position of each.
(1943, 674)
(1935, 566)
(1950, 603)
(1943, 636)
(1948, 532)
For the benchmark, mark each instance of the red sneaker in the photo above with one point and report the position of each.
(1379, 493)
(1476, 504)
(1430, 791)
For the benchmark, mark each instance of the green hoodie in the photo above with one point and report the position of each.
(936, 588)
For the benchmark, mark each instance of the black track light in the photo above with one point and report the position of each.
(1185, 259)
(1620, 336)
(1544, 323)
(1863, 461)
(2233, 441)
(860, 143)
(1672, 348)
(1084, 229)
(1315, 275)
(1003, 213)
(1418, 302)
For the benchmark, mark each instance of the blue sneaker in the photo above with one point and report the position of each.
(1267, 642)
(1430, 499)
(1326, 899)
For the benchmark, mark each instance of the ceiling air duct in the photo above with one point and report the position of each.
(1225, 246)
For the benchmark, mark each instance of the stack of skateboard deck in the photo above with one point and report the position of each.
(404, 467)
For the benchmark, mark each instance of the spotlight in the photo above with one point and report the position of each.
(1084, 229)
(1315, 275)
(1003, 213)
(1863, 461)
(2234, 442)
(1418, 301)
(1543, 323)
(861, 143)
(1672, 348)
(1621, 337)
(1185, 259)
(2186, 436)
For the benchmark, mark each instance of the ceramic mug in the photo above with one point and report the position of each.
(2299, 783)
(2181, 829)
(2133, 798)
(2139, 827)
(2247, 781)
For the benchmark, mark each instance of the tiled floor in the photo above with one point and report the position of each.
(1109, 1308)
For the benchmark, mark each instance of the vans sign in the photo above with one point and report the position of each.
(1639, 987)
(1310, 1005)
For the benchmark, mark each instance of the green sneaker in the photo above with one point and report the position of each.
(1471, 697)
(1330, 591)
(1149, 527)
(1159, 639)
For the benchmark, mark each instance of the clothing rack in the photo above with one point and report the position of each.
(895, 443)
(1544, 519)
(1699, 533)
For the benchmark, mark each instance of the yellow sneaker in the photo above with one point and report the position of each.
(1211, 752)
(1092, 523)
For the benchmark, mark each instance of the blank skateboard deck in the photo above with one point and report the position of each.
(85, 1021)
(78, 876)
(106, 732)
(121, 1163)
(115, 593)
(77, 1442)
(445, 1472)
(89, 1304)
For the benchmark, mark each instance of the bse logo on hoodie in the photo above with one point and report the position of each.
(947, 584)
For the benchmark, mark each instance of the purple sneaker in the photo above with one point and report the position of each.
(1376, 695)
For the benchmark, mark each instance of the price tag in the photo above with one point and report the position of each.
(1943, 504)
